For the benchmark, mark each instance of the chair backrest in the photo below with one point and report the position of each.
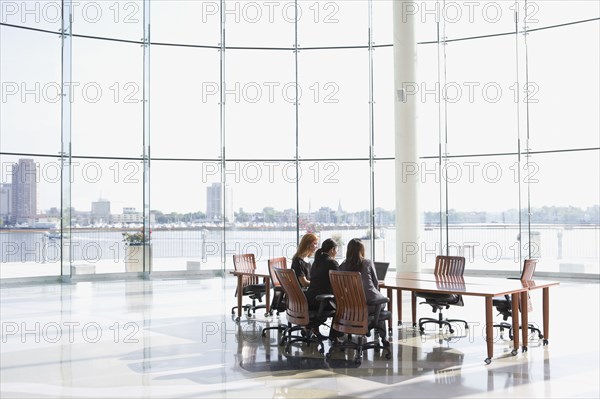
(527, 275)
(449, 265)
(245, 263)
(276, 263)
(528, 269)
(381, 269)
(351, 313)
(297, 304)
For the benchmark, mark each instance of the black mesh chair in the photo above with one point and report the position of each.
(445, 267)
(504, 304)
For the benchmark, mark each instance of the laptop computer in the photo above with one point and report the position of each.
(381, 269)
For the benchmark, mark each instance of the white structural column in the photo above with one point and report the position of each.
(408, 242)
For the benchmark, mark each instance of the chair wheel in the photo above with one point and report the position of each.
(422, 329)
(268, 314)
(540, 336)
(514, 352)
(545, 342)
(487, 360)
(451, 331)
(524, 348)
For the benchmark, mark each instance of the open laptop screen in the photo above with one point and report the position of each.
(381, 269)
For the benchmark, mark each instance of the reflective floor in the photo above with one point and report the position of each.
(177, 338)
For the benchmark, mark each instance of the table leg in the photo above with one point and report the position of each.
(239, 297)
(399, 302)
(390, 309)
(414, 308)
(546, 306)
(268, 295)
(524, 320)
(515, 322)
(489, 329)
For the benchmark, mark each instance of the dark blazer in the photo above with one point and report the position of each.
(301, 268)
(369, 280)
(319, 278)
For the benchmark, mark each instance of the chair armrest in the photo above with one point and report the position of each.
(378, 301)
(323, 299)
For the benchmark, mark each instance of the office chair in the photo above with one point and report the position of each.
(445, 266)
(504, 304)
(352, 314)
(250, 285)
(298, 314)
(279, 302)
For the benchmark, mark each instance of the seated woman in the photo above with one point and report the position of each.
(300, 265)
(319, 273)
(355, 262)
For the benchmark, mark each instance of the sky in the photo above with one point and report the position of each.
(485, 113)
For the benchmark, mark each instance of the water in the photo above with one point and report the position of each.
(564, 246)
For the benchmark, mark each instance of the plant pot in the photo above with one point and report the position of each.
(134, 258)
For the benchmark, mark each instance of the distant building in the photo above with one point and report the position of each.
(24, 192)
(325, 215)
(130, 215)
(100, 211)
(214, 202)
(289, 215)
(5, 201)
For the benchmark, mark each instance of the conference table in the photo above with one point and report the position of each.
(260, 272)
(486, 287)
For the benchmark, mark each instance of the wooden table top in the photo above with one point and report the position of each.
(475, 286)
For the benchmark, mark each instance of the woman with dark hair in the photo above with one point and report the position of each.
(319, 273)
(300, 265)
(356, 262)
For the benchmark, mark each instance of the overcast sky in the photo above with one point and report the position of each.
(483, 116)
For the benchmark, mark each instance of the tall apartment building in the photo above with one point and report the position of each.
(24, 192)
(214, 202)
(100, 211)
(5, 201)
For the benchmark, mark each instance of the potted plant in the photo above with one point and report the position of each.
(136, 238)
(137, 249)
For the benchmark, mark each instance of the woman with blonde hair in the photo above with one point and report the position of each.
(300, 265)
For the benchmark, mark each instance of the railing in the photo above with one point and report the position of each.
(567, 244)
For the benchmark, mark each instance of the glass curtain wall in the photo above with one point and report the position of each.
(238, 126)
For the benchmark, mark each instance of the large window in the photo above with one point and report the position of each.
(225, 127)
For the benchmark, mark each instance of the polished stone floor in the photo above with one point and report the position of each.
(176, 338)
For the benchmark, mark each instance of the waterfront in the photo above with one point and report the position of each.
(571, 249)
